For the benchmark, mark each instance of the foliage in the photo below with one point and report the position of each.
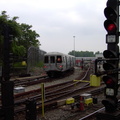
(18, 64)
(18, 50)
(28, 37)
(82, 53)
(23, 35)
(98, 52)
(40, 64)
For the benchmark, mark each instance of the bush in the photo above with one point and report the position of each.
(40, 64)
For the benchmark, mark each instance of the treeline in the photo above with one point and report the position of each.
(22, 35)
(83, 53)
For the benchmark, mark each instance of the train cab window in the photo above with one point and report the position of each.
(46, 59)
(59, 59)
(52, 59)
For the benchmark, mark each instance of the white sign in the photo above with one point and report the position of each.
(110, 91)
(111, 38)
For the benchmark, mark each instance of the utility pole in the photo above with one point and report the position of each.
(74, 44)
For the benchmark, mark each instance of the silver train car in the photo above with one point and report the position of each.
(56, 63)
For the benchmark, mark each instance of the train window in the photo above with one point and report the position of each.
(59, 59)
(52, 59)
(46, 59)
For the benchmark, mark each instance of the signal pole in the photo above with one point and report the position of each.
(111, 55)
(7, 86)
(74, 44)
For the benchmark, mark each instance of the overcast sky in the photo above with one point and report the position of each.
(57, 21)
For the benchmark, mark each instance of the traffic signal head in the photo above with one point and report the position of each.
(109, 81)
(112, 3)
(110, 104)
(110, 26)
(111, 60)
(108, 66)
(111, 85)
(109, 54)
(111, 13)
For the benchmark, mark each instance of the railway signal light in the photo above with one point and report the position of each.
(110, 104)
(111, 86)
(111, 58)
(110, 12)
(111, 55)
(110, 26)
(111, 79)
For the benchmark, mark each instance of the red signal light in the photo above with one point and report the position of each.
(111, 27)
(60, 66)
(109, 81)
(45, 66)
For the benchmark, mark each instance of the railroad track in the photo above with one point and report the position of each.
(52, 93)
(30, 80)
(92, 116)
(58, 91)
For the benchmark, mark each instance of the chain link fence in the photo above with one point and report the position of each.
(34, 57)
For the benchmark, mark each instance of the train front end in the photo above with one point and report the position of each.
(53, 65)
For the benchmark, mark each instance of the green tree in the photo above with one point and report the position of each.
(28, 37)
(82, 53)
(98, 52)
(23, 35)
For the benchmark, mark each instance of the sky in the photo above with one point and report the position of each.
(58, 21)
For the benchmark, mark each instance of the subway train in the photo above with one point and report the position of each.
(56, 63)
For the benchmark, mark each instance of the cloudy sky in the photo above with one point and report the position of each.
(57, 21)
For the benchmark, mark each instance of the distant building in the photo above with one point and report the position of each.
(79, 60)
(100, 55)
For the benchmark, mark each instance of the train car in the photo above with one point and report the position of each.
(56, 63)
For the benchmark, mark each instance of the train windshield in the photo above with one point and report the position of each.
(46, 59)
(52, 59)
(59, 59)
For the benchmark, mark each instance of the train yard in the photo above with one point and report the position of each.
(57, 90)
(73, 86)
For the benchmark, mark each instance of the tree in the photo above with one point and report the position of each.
(98, 52)
(28, 37)
(82, 53)
(23, 35)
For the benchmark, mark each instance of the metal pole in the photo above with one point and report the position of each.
(7, 86)
(74, 44)
(43, 98)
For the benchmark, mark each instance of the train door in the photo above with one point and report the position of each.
(59, 61)
(46, 63)
(52, 62)
(66, 62)
(70, 61)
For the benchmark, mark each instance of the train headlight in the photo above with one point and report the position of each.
(60, 67)
(45, 66)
